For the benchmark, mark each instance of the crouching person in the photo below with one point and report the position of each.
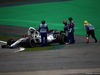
(43, 29)
(90, 30)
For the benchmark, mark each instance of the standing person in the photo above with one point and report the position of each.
(89, 31)
(66, 25)
(67, 29)
(71, 31)
(43, 29)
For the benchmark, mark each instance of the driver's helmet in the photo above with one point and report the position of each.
(31, 30)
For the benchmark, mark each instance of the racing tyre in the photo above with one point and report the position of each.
(62, 39)
(30, 43)
(10, 41)
(4, 46)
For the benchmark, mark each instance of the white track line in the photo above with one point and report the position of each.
(92, 71)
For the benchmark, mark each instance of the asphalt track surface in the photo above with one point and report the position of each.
(5, 3)
(74, 59)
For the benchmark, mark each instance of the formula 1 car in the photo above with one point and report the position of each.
(53, 36)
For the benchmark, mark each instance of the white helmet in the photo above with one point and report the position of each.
(32, 30)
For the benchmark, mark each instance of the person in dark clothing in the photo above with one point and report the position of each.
(71, 31)
(90, 30)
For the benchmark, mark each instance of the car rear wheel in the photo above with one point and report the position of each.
(30, 43)
(62, 39)
(10, 41)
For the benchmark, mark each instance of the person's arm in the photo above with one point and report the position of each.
(39, 29)
(87, 29)
(64, 30)
(47, 29)
(72, 28)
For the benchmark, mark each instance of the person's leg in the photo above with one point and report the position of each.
(68, 38)
(46, 44)
(72, 38)
(87, 37)
(41, 40)
(93, 36)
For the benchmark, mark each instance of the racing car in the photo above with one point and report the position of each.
(34, 38)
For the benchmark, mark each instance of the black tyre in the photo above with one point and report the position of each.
(10, 41)
(30, 43)
(3, 46)
(62, 39)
